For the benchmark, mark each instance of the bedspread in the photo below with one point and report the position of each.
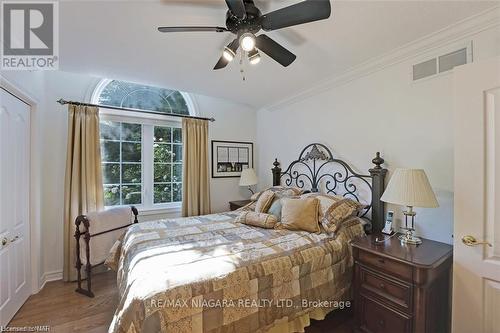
(211, 274)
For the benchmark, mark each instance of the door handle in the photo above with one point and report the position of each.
(6, 241)
(472, 241)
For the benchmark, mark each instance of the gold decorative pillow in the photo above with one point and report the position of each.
(338, 212)
(325, 201)
(261, 220)
(299, 214)
(264, 202)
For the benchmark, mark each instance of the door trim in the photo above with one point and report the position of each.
(35, 177)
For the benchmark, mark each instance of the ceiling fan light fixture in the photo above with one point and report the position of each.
(247, 41)
(254, 57)
(228, 54)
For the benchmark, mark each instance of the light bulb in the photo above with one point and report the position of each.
(254, 57)
(228, 54)
(247, 41)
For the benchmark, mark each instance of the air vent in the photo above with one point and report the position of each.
(424, 69)
(442, 63)
(450, 60)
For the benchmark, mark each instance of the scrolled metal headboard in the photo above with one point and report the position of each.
(309, 172)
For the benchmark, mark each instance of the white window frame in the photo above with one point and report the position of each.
(147, 156)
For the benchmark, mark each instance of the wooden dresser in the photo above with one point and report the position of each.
(401, 288)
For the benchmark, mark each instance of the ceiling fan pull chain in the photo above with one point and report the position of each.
(242, 71)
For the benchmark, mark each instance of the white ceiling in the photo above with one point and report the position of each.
(118, 39)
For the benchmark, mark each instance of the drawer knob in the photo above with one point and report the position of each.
(382, 286)
(381, 323)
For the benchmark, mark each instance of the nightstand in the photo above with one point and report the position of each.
(401, 288)
(233, 205)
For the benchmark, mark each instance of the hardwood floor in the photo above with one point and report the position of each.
(58, 306)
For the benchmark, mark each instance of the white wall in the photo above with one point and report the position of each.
(47, 87)
(411, 124)
(234, 122)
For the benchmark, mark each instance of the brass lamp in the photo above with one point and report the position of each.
(248, 178)
(411, 188)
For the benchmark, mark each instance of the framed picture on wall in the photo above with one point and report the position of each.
(229, 158)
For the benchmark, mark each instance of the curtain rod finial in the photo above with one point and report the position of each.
(61, 101)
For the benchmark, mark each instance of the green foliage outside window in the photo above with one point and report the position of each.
(121, 154)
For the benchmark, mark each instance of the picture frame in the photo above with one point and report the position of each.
(229, 158)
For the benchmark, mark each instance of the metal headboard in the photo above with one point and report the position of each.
(309, 172)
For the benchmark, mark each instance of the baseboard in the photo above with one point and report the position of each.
(50, 276)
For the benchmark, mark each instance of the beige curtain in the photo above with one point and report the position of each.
(83, 183)
(195, 178)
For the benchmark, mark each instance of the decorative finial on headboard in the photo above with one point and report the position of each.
(276, 172)
(378, 161)
(276, 163)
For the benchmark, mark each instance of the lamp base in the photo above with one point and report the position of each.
(413, 240)
(409, 238)
(250, 189)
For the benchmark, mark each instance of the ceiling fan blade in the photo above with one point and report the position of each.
(274, 50)
(191, 29)
(234, 45)
(303, 12)
(237, 7)
(221, 63)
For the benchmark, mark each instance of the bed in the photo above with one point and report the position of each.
(212, 274)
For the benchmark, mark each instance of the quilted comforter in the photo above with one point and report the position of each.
(211, 274)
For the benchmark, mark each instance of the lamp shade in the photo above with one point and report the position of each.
(248, 177)
(410, 187)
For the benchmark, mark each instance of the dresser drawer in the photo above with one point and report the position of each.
(397, 293)
(376, 318)
(388, 266)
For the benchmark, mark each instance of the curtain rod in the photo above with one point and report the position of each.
(63, 102)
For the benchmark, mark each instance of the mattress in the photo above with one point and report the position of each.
(211, 274)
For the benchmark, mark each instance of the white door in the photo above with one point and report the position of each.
(476, 269)
(15, 274)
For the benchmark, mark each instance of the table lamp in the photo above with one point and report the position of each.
(411, 188)
(248, 178)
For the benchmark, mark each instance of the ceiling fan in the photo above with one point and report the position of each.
(245, 20)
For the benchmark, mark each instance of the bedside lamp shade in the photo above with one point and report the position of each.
(410, 187)
(248, 177)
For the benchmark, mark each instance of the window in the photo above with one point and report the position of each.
(167, 171)
(138, 96)
(121, 158)
(141, 153)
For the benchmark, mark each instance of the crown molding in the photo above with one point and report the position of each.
(461, 30)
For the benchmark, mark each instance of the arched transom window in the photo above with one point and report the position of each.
(138, 96)
(141, 153)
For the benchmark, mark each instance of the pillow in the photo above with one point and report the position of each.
(248, 207)
(264, 202)
(338, 212)
(261, 220)
(299, 214)
(325, 201)
(275, 208)
(276, 205)
(286, 191)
